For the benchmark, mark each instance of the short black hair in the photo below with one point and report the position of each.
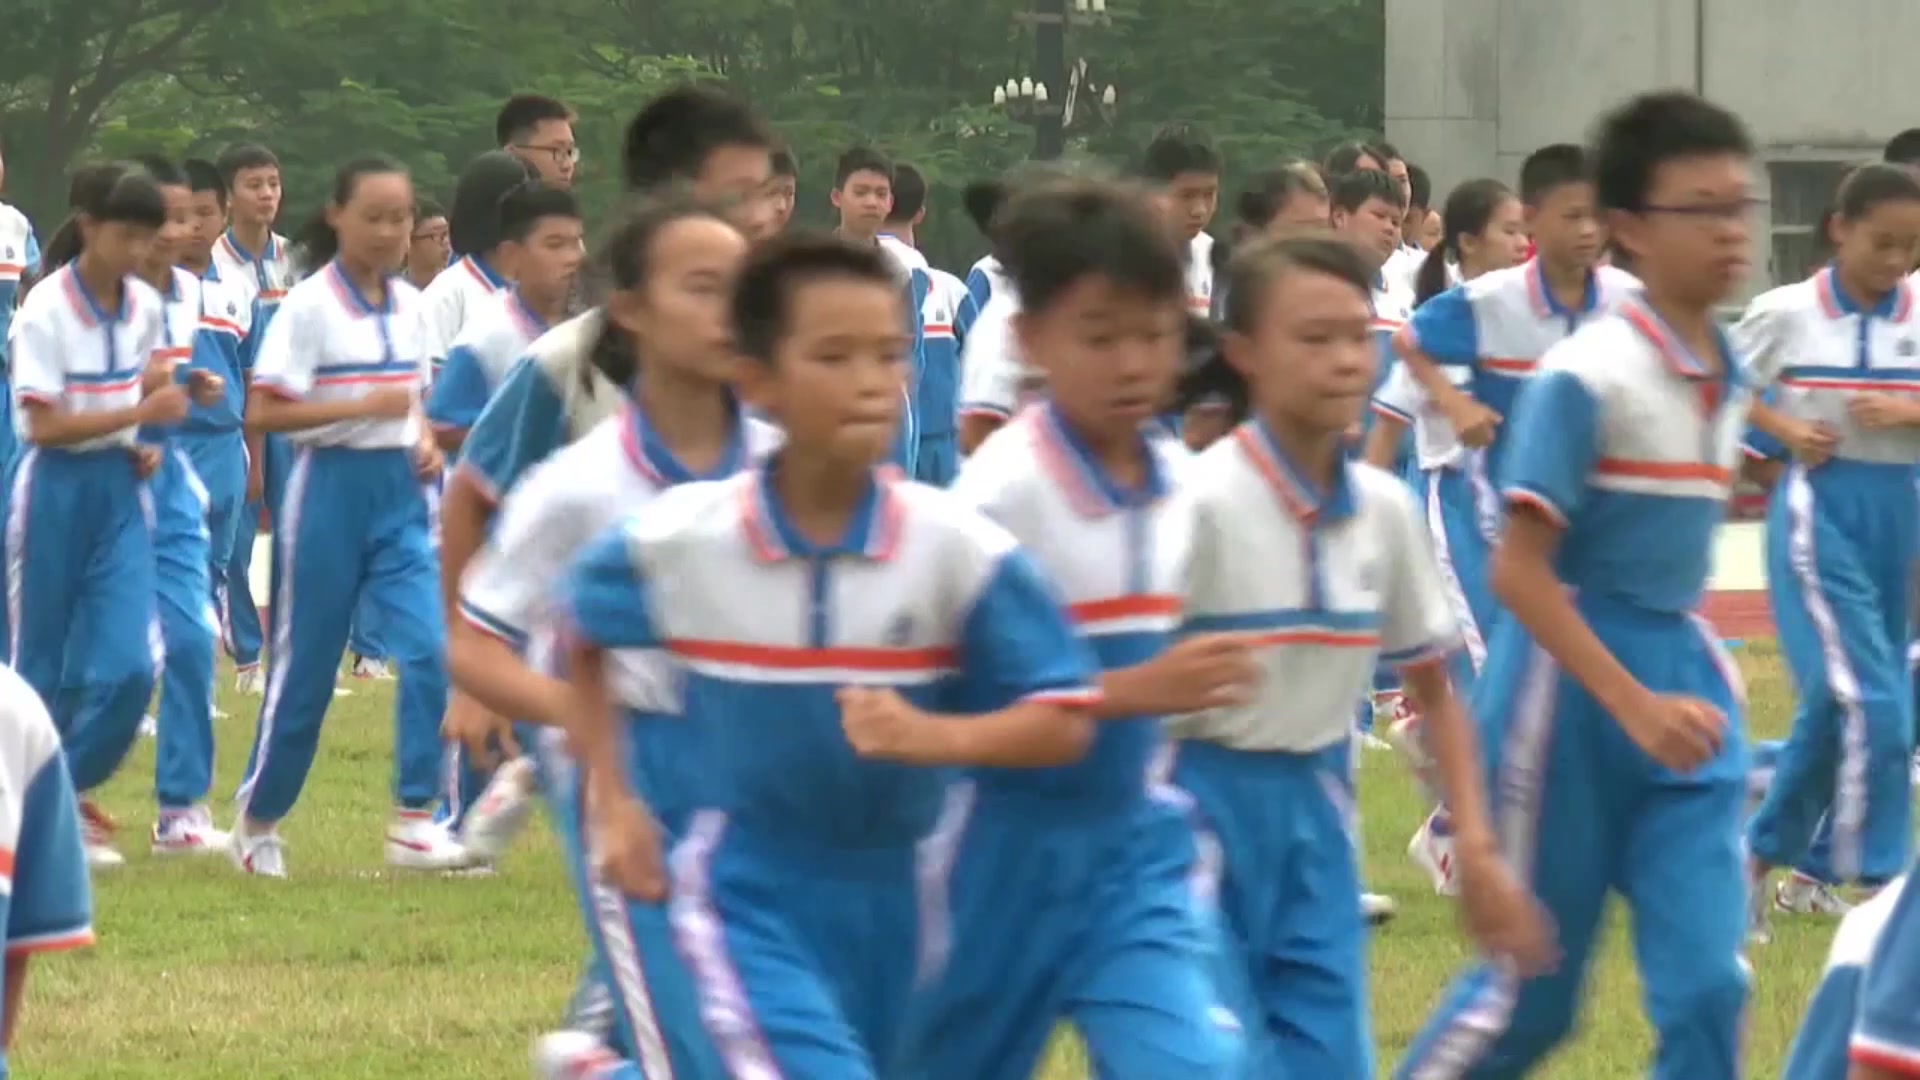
(1904, 148)
(1255, 267)
(1345, 158)
(523, 207)
(671, 137)
(473, 225)
(981, 200)
(783, 163)
(1388, 151)
(763, 294)
(162, 171)
(1179, 150)
(1268, 191)
(204, 175)
(1053, 235)
(240, 157)
(1419, 188)
(1634, 140)
(426, 206)
(1351, 191)
(1870, 185)
(1552, 166)
(523, 113)
(909, 193)
(861, 159)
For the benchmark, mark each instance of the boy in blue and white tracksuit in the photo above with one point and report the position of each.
(263, 279)
(799, 914)
(197, 494)
(1840, 540)
(1628, 443)
(945, 314)
(495, 339)
(567, 500)
(1072, 889)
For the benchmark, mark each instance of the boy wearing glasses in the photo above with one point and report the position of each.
(1610, 711)
(539, 131)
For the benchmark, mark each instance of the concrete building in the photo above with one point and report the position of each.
(1473, 85)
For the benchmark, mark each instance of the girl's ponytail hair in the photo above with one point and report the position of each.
(111, 191)
(1469, 210)
(625, 257)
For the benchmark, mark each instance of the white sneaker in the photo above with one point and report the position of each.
(187, 832)
(571, 1055)
(1431, 849)
(149, 727)
(96, 837)
(417, 842)
(250, 681)
(503, 809)
(262, 854)
(1378, 909)
(368, 668)
(1802, 895)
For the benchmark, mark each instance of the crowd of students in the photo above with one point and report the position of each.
(912, 663)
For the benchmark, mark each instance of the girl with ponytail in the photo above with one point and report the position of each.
(1482, 229)
(79, 553)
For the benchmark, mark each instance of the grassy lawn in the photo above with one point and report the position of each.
(345, 971)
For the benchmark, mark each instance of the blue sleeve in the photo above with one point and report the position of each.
(1444, 328)
(1019, 643)
(523, 422)
(33, 251)
(1820, 1047)
(460, 390)
(606, 598)
(963, 319)
(918, 284)
(979, 286)
(52, 905)
(1553, 444)
(1887, 1030)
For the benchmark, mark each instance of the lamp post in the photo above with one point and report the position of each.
(1058, 94)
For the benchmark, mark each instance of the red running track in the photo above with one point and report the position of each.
(1741, 616)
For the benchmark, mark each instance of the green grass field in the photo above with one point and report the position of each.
(346, 971)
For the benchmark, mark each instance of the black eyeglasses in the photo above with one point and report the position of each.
(1733, 210)
(562, 155)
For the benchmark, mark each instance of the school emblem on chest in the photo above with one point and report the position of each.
(900, 631)
(1366, 576)
(9, 255)
(232, 308)
(1905, 347)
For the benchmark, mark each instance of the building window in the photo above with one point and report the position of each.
(1802, 191)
